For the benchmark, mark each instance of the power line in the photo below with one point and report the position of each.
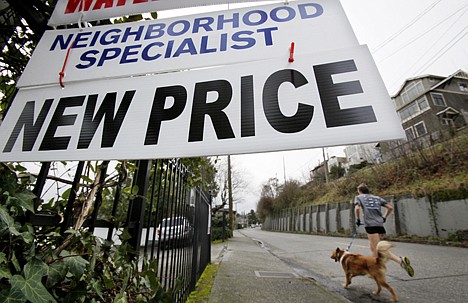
(404, 28)
(442, 51)
(433, 59)
(429, 30)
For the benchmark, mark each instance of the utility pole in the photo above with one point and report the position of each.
(325, 165)
(231, 215)
(284, 171)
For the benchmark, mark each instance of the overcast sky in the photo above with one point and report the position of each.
(406, 39)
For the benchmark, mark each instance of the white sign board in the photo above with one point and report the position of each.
(174, 44)
(69, 11)
(321, 99)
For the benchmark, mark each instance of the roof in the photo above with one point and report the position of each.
(459, 74)
(449, 112)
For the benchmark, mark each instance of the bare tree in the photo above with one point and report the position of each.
(237, 185)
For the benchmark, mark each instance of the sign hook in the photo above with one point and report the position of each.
(291, 53)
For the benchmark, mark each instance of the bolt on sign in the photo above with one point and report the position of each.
(321, 99)
(187, 42)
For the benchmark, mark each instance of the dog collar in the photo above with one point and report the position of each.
(341, 259)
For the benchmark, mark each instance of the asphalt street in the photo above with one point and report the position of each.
(441, 272)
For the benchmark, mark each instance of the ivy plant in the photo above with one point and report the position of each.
(86, 269)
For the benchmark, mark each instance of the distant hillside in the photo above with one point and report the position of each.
(440, 171)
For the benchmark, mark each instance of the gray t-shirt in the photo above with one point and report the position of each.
(371, 208)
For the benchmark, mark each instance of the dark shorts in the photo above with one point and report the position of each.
(375, 230)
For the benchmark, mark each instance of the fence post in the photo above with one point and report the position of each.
(317, 219)
(68, 216)
(196, 239)
(136, 207)
(338, 217)
(327, 218)
(352, 217)
(396, 216)
(40, 182)
(311, 220)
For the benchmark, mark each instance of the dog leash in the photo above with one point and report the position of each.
(354, 236)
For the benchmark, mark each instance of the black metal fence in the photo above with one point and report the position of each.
(166, 218)
(176, 228)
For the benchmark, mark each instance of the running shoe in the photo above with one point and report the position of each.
(405, 264)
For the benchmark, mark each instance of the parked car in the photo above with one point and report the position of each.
(174, 231)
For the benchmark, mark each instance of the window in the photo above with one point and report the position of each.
(414, 109)
(409, 134)
(423, 104)
(412, 91)
(463, 86)
(438, 99)
(408, 112)
(409, 93)
(420, 129)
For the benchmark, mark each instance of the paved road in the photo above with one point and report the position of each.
(441, 273)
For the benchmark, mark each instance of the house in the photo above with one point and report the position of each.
(430, 105)
(359, 153)
(430, 108)
(322, 172)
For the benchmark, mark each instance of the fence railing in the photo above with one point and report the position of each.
(166, 218)
(422, 217)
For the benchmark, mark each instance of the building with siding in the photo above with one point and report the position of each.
(430, 105)
(431, 109)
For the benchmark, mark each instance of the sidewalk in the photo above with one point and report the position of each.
(249, 273)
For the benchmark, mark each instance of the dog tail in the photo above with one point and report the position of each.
(383, 249)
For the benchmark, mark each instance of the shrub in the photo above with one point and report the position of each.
(38, 265)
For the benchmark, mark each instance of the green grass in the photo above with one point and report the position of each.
(440, 172)
(202, 291)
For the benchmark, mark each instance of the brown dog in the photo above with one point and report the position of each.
(359, 265)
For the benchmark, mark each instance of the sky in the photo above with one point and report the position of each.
(406, 39)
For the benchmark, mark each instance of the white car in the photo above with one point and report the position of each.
(172, 230)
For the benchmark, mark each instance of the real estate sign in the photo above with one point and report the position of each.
(321, 99)
(182, 43)
(70, 11)
(208, 84)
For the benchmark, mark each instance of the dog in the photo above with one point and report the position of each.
(359, 265)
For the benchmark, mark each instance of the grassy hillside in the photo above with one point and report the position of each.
(440, 172)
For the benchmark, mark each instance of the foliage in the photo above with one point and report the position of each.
(252, 217)
(15, 55)
(275, 197)
(37, 264)
(288, 196)
(336, 172)
(271, 188)
(439, 171)
(202, 173)
(218, 232)
(264, 207)
(87, 269)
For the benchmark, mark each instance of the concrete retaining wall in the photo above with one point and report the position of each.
(421, 217)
